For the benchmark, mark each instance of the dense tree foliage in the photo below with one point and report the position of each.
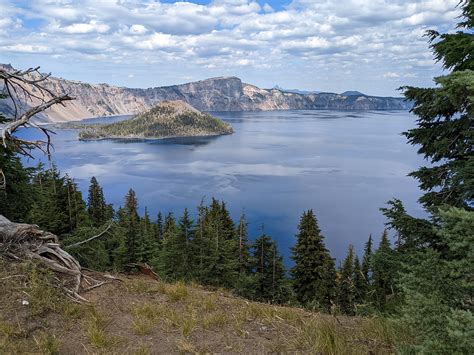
(271, 282)
(16, 192)
(314, 270)
(433, 261)
(438, 287)
(345, 284)
(384, 267)
(445, 131)
(96, 206)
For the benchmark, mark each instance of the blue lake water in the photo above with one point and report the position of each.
(343, 165)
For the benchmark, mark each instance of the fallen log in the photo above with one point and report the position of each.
(144, 269)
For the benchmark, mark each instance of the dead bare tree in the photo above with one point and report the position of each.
(29, 97)
(24, 88)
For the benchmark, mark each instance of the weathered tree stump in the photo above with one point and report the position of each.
(20, 241)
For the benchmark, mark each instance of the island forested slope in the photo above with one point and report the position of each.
(167, 119)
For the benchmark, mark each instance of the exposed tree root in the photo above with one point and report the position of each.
(21, 241)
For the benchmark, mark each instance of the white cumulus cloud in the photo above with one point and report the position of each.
(308, 44)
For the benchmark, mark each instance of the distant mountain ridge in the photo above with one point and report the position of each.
(296, 91)
(215, 94)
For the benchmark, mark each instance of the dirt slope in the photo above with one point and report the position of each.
(144, 316)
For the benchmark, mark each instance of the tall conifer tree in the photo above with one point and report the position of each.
(244, 250)
(159, 227)
(360, 285)
(96, 206)
(132, 222)
(366, 269)
(314, 271)
(271, 283)
(148, 246)
(384, 270)
(16, 192)
(438, 252)
(345, 286)
(445, 119)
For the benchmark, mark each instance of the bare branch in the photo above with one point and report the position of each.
(22, 86)
(91, 238)
(11, 127)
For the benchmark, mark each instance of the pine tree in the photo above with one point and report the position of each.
(169, 226)
(76, 206)
(314, 271)
(359, 283)
(436, 278)
(165, 262)
(271, 283)
(132, 227)
(118, 252)
(216, 246)
(17, 195)
(345, 287)
(439, 287)
(244, 249)
(182, 246)
(384, 269)
(445, 119)
(176, 253)
(364, 287)
(96, 206)
(148, 246)
(59, 207)
(246, 281)
(228, 251)
(159, 227)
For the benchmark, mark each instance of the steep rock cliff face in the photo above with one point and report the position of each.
(216, 94)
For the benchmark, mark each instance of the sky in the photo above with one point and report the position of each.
(374, 46)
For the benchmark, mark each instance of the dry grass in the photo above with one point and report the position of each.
(142, 350)
(215, 320)
(48, 343)
(143, 316)
(176, 292)
(185, 346)
(97, 330)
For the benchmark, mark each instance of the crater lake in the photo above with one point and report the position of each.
(277, 164)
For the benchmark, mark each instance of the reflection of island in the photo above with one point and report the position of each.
(165, 120)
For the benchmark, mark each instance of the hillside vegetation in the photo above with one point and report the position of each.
(167, 119)
(140, 315)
